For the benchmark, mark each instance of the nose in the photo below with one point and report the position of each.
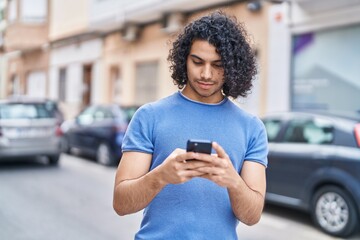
(206, 72)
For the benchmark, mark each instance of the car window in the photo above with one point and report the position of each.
(54, 109)
(108, 114)
(129, 112)
(101, 114)
(272, 128)
(94, 114)
(87, 116)
(315, 131)
(23, 111)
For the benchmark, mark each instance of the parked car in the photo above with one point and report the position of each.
(98, 131)
(29, 128)
(51, 105)
(314, 165)
(130, 111)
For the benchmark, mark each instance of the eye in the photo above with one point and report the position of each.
(218, 65)
(197, 62)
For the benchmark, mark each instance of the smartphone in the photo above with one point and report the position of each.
(200, 146)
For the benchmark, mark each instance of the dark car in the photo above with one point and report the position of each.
(129, 111)
(29, 128)
(314, 165)
(97, 131)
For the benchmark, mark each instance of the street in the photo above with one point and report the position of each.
(74, 201)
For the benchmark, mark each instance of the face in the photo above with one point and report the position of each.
(205, 73)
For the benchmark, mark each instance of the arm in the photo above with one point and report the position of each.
(246, 191)
(136, 186)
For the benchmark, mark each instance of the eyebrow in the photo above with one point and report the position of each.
(199, 58)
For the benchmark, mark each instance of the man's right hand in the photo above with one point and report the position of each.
(177, 168)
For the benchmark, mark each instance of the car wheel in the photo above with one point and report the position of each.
(334, 211)
(104, 155)
(54, 159)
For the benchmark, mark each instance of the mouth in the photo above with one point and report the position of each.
(205, 85)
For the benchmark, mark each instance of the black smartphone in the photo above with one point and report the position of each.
(200, 146)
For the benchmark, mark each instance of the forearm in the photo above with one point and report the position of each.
(247, 204)
(133, 195)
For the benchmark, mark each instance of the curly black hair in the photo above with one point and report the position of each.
(231, 42)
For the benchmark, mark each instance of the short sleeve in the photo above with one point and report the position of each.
(258, 144)
(139, 134)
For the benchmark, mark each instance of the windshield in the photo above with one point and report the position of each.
(23, 111)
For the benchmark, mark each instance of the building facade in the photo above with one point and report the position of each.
(24, 35)
(2, 57)
(136, 38)
(89, 51)
(314, 56)
(75, 58)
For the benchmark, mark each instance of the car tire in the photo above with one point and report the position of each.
(334, 211)
(54, 159)
(104, 155)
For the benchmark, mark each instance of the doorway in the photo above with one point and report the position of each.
(115, 85)
(87, 79)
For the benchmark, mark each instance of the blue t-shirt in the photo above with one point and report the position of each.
(199, 208)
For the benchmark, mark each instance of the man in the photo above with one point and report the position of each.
(189, 195)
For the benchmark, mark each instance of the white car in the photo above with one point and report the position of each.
(29, 129)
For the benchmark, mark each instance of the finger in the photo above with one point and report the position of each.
(193, 156)
(216, 179)
(182, 156)
(214, 159)
(194, 164)
(219, 150)
(210, 177)
(211, 170)
(186, 175)
(179, 150)
(193, 173)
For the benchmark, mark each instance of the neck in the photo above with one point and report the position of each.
(211, 99)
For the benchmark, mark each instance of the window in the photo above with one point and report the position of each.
(102, 114)
(272, 129)
(325, 71)
(2, 10)
(62, 84)
(87, 80)
(33, 11)
(15, 88)
(309, 131)
(23, 111)
(36, 84)
(146, 82)
(1, 37)
(87, 116)
(12, 11)
(94, 114)
(116, 84)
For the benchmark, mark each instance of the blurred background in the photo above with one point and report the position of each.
(89, 64)
(114, 51)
